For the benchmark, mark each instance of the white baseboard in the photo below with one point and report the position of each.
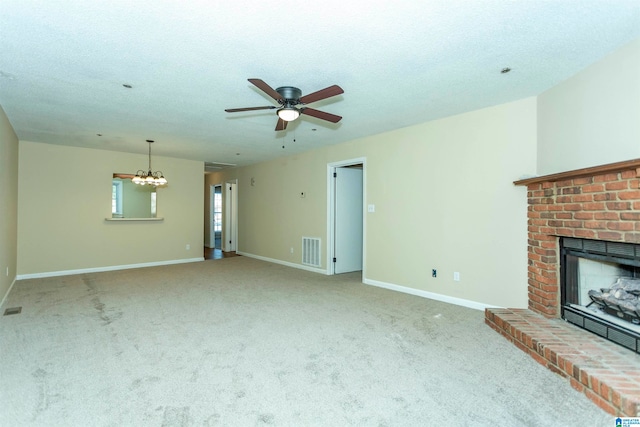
(417, 292)
(430, 295)
(4, 298)
(288, 264)
(109, 268)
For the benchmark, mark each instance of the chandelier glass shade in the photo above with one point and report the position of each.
(149, 178)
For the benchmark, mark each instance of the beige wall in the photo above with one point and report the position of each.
(593, 118)
(444, 198)
(8, 204)
(65, 196)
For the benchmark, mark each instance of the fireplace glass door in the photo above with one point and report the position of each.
(600, 288)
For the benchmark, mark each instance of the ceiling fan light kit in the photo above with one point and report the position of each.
(288, 114)
(292, 103)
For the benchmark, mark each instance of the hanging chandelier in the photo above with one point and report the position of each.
(149, 178)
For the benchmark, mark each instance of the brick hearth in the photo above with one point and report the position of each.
(608, 374)
(599, 203)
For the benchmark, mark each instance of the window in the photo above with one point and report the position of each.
(116, 198)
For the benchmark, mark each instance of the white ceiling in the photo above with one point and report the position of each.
(63, 64)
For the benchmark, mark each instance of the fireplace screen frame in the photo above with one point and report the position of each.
(571, 250)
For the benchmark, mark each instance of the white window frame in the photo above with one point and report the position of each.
(116, 198)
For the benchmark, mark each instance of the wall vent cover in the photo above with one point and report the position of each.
(12, 310)
(311, 251)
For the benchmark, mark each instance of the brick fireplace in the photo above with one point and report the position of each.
(596, 203)
(600, 203)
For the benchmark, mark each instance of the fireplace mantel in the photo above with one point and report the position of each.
(580, 173)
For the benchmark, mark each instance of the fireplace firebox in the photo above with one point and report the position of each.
(600, 288)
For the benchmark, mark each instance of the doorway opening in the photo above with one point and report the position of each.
(345, 235)
(222, 228)
(215, 217)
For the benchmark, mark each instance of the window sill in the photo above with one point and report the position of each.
(134, 219)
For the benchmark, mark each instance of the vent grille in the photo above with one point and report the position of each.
(595, 246)
(12, 310)
(311, 251)
(622, 339)
(613, 250)
(621, 249)
(610, 331)
(572, 243)
(595, 327)
(574, 318)
(215, 166)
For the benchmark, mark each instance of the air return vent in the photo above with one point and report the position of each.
(311, 251)
(12, 310)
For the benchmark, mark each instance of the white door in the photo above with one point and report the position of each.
(231, 217)
(348, 205)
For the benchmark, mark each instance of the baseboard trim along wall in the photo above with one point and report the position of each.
(109, 268)
(430, 295)
(288, 264)
(8, 291)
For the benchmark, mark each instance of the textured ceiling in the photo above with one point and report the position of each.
(63, 64)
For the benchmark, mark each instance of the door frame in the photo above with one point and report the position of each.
(331, 220)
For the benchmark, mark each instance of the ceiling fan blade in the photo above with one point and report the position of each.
(327, 92)
(321, 115)
(266, 89)
(236, 110)
(281, 125)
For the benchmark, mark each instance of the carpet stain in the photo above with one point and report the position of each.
(106, 315)
(312, 367)
(90, 283)
(40, 376)
(195, 374)
(282, 375)
(142, 381)
(352, 404)
(213, 420)
(266, 419)
(176, 416)
(349, 337)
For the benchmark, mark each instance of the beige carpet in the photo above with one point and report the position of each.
(241, 342)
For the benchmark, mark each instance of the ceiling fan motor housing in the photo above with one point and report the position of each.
(289, 93)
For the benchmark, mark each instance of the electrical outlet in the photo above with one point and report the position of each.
(291, 250)
(7, 271)
(456, 276)
(188, 247)
(434, 273)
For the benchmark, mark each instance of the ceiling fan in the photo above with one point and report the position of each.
(292, 104)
